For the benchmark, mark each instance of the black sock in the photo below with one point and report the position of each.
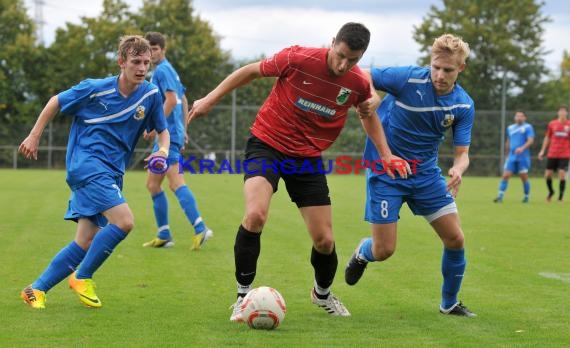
(246, 251)
(325, 268)
(549, 185)
(562, 188)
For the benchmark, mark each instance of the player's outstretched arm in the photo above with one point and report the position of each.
(29, 147)
(238, 78)
(460, 165)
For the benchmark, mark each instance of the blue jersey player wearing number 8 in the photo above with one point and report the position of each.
(108, 117)
(421, 105)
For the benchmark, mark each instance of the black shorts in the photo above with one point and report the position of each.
(555, 163)
(304, 177)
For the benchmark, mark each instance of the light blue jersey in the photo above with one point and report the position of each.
(518, 135)
(415, 118)
(106, 126)
(166, 78)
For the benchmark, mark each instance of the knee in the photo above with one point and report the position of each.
(176, 181)
(84, 243)
(455, 242)
(383, 252)
(324, 244)
(254, 219)
(174, 186)
(127, 223)
(153, 187)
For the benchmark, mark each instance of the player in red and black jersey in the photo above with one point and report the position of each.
(557, 140)
(301, 117)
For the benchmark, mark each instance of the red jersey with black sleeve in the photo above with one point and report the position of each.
(559, 134)
(308, 105)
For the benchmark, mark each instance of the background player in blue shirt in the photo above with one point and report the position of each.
(109, 116)
(167, 80)
(520, 136)
(421, 105)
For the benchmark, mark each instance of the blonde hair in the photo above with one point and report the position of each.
(133, 45)
(448, 44)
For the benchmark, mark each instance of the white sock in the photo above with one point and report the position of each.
(321, 291)
(242, 290)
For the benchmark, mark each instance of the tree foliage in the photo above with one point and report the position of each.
(31, 74)
(557, 89)
(17, 41)
(192, 46)
(87, 49)
(505, 38)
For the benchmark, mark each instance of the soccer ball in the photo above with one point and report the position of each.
(263, 308)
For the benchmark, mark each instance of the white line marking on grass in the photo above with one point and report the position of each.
(565, 277)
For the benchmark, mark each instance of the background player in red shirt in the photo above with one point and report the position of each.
(302, 116)
(557, 140)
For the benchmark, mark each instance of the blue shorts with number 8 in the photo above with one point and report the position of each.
(425, 194)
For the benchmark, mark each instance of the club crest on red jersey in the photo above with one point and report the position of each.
(343, 95)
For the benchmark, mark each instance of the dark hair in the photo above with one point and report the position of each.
(563, 106)
(522, 112)
(156, 38)
(355, 35)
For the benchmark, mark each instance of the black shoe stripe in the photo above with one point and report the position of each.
(89, 298)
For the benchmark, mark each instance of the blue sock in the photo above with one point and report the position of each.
(365, 250)
(160, 205)
(101, 247)
(503, 187)
(61, 266)
(188, 204)
(526, 188)
(452, 267)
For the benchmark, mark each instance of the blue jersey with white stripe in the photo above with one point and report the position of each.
(106, 126)
(166, 78)
(415, 118)
(518, 135)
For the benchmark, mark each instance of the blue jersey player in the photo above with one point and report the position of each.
(108, 117)
(167, 80)
(421, 105)
(520, 136)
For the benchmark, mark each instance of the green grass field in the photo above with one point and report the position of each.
(178, 298)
